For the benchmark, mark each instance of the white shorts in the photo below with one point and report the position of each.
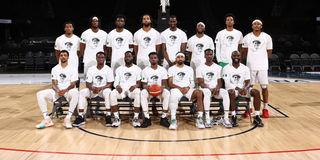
(247, 94)
(260, 76)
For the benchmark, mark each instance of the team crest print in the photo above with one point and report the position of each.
(229, 40)
(181, 75)
(172, 39)
(119, 42)
(154, 79)
(68, 45)
(62, 77)
(99, 79)
(209, 76)
(146, 41)
(199, 47)
(235, 79)
(95, 42)
(127, 76)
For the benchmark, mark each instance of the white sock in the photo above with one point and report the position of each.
(146, 115)
(69, 115)
(81, 114)
(164, 115)
(233, 113)
(116, 114)
(173, 116)
(200, 114)
(251, 102)
(136, 115)
(226, 114)
(108, 113)
(257, 113)
(45, 115)
(207, 113)
(265, 105)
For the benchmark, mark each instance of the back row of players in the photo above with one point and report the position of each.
(94, 44)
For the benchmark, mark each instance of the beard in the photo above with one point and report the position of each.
(146, 25)
(200, 32)
(180, 62)
(129, 62)
(236, 61)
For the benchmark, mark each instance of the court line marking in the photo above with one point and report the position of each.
(161, 155)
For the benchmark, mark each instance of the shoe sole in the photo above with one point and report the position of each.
(77, 125)
(45, 126)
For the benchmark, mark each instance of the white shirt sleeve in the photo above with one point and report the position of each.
(164, 74)
(130, 38)
(198, 72)
(109, 41)
(110, 75)
(211, 44)
(83, 38)
(189, 46)
(158, 40)
(53, 74)
(269, 43)
(170, 72)
(244, 42)
(138, 74)
(241, 38)
(218, 47)
(74, 75)
(226, 77)
(89, 78)
(144, 77)
(184, 38)
(191, 78)
(163, 38)
(247, 73)
(57, 45)
(136, 39)
(78, 44)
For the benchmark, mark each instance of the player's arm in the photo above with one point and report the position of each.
(189, 55)
(57, 55)
(55, 85)
(244, 53)
(183, 47)
(165, 54)
(269, 51)
(164, 84)
(171, 85)
(71, 86)
(136, 49)
(201, 83)
(82, 48)
(158, 48)
(108, 85)
(145, 86)
(240, 51)
(109, 53)
(105, 50)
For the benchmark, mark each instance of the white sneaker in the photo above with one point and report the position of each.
(135, 122)
(208, 123)
(199, 123)
(67, 123)
(45, 123)
(173, 124)
(226, 123)
(116, 122)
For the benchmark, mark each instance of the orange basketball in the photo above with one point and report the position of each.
(155, 90)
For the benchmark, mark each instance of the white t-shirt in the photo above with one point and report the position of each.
(127, 77)
(227, 42)
(72, 45)
(235, 77)
(64, 76)
(119, 42)
(182, 77)
(146, 42)
(94, 44)
(197, 46)
(151, 76)
(101, 77)
(173, 40)
(257, 58)
(210, 74)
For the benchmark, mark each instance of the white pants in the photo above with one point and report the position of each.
(86, 93)
(115, 95)
(145, 95)
(175, 96)
(86, 66)
(51, 96)
(115, 63)
(223, 94)
(260, 76)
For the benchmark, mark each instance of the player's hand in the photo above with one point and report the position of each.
(61, 92)
(119, 89)
(172, 63)
(95, 90)
(242, 91)
(132, 88)
(215, 91)
(185, 90)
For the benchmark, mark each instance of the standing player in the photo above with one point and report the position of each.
(127, 83)
(99, 81)
(227, 41)
(196, 46)
(181, 82)
(146, 40)
(69, 42)
(92, 41)
(64, 79)
(154, 74)
(210, 83)
(237, 80)
(119, 40)
(257, 47)
(173, 41)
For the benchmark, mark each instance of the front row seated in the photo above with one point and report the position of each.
(180, 78)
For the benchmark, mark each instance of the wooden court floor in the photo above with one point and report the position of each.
(292, 132)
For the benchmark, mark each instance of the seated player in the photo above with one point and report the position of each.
(154, 74)
(64, 78)
(127, 83)
(99, 81)
(237, 81)
(210, 83)
(181, 82)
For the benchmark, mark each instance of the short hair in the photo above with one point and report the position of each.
(64, 51)
(152, 53)
(230, 15)
(127, 52)
(208, 49)
(141, 18)
(100, 53)
(90, 21)
(68, 22)
(173, 16)
(120, 16)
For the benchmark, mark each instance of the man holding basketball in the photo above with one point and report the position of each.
(151, 75)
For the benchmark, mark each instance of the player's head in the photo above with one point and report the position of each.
(64, 56)
(120, 21)
(68, 27)
(128, 58)
(235, 56)
(173, 21)
(146, 20)
(94, 22)
(229, 19)
(208, 55)
(257, 24)
(201, 27)
(180, 58)
(100, 57)
(153, 58)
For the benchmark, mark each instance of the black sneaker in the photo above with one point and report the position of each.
(164, 122)
(79, 121)
(258, 121)
(234, 121)
(108, 121)
(146, 122)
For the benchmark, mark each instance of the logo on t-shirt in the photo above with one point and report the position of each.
(236, 78)
(68, 45)
(127, 75)
(95, 42)
(154, 79)
(209, 75)
(173, 39)
(62, 77)
(147, 41)
(99, 79)
(119, 42)
(229, 40)
(256, 44)
(199, 47)
(181, 75)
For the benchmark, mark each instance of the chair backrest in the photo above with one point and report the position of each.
(305, 55)
(294, 56)
(314, 55)
(274, 56)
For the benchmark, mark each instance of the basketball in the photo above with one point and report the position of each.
(155, 90)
